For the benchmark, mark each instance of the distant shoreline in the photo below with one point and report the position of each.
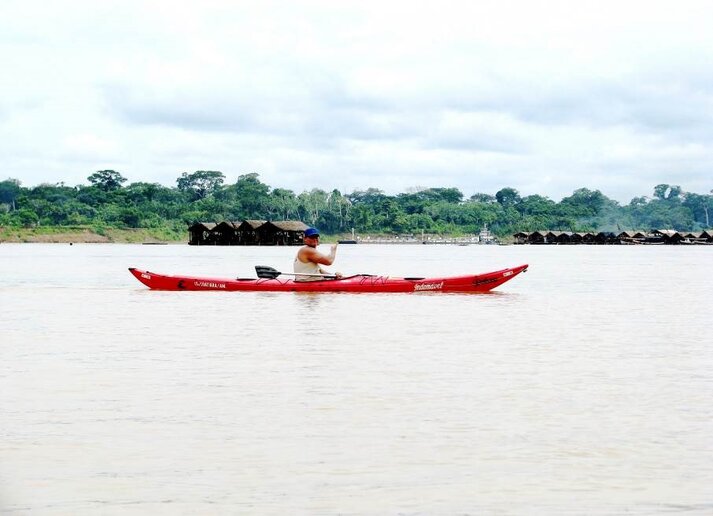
(83, 235)
(88, 235)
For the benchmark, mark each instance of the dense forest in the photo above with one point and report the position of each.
(108, 202)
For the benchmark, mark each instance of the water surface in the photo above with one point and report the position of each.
(581, 387)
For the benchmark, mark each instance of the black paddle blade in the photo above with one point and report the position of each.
(263, 271)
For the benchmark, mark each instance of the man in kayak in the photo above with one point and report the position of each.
(308, 259)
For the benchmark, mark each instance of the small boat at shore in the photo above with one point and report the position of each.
(269, 281)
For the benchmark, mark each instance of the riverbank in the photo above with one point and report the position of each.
(93, 235)
(89, 235)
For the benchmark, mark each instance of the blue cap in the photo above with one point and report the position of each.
(311, 232)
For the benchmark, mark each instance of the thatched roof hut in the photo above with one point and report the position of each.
(285, 232)
(521, 237)
(200, 233)
(605, 237)
(250, 225)
(538, 237)
(247, 232)
(657, 236)
(225, 233)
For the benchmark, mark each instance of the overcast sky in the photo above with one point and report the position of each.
(541, 96)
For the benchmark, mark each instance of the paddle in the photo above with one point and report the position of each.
(265, 272)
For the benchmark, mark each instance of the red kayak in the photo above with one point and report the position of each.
(357, 283)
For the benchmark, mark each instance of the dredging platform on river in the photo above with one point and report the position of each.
(631, 237)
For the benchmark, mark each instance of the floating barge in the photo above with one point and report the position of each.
(247, 232)
(629, 237)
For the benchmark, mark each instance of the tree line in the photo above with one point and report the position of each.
(203, 196)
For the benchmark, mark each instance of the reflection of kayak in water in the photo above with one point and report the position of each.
(268, 281)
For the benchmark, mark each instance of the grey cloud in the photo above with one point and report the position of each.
(321, 118)
(188, 112)
(311, 117)
(646, 107)
(481, 139)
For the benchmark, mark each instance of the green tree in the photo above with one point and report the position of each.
(666, 192)
(143, 193)
(201, 183)
(312, 205)
(9, 191)
(584, 202)
(537, 205)
(483, 197)
(342, 206)
(249, 197)
(507, 197)
(450, 195)
(283, 204)
(107, 180)
(92, 196)
(701, 206)
(25, 217)
(660, 213)
(369, 197)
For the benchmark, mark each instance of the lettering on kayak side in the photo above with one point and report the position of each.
(208, 284)
(508, 273)
(145, 276)
(485, 281)
(428, 286)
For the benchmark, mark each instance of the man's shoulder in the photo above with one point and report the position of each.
(306, 251)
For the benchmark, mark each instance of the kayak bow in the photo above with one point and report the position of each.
(357, 283)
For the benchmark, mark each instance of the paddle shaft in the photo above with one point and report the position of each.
(307, 274)
(265, 272)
